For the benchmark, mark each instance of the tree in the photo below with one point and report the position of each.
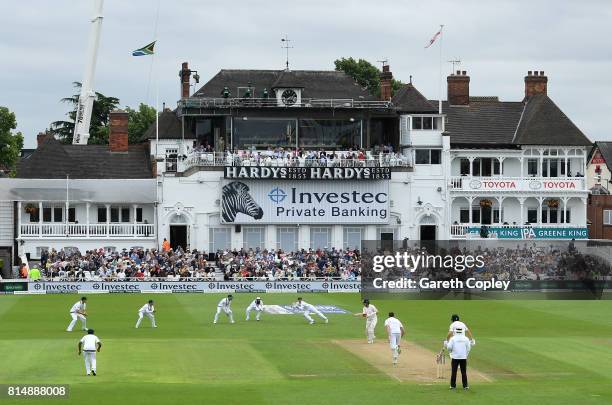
(139, 121)
(364, 73)
(10, 142)
(98, 128)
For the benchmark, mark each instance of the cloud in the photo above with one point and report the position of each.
(44, 47)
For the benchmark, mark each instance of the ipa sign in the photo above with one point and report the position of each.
(304, 202)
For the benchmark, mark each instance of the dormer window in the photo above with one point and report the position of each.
(426, 123)
(289, 97)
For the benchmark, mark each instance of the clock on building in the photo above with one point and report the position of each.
(289, 97)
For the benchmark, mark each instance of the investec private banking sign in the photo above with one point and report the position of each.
(311, 201)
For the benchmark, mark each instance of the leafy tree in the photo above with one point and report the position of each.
(139, 121)
(98, 129)
(10, 142)
(364, 73)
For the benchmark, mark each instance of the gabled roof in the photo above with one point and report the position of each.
(605, 148)
(170, 127)
(409, 99)
(320, 84)
(54, 160)
(543, 123)
(485, 121)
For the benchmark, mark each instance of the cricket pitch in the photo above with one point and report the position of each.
(416, 364)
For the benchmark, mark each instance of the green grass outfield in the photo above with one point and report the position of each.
(544, 352)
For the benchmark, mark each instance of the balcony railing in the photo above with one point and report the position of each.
(502, 183)
(82, 230)
(212, 159)
(274, 103)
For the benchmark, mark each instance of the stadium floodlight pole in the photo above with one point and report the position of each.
(88, 95)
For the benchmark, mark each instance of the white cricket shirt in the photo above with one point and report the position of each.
(394, 325)
(370, 311)
(225, 303)
(89, 342)
(147, 309)
(79, 306)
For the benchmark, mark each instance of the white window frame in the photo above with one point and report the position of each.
(288, 229)
(246, 230)
(607, 217)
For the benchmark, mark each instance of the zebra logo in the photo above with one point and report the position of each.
(236, 198)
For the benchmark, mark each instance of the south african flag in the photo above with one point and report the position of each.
(145, 50)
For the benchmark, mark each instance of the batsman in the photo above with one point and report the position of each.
(369, 312)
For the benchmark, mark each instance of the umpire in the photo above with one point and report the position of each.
(459, 348)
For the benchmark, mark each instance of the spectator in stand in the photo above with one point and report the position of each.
(165, 245)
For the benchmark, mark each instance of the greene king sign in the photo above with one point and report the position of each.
(308, 173)
(307, 202)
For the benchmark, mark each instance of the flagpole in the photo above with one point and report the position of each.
(440, 72)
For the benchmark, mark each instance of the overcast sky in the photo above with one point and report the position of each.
(43, 45)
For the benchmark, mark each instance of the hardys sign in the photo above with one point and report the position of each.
(307, 202)
(307, 173)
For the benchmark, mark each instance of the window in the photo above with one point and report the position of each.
(58, 214)
(532, 167)
(46, 214)
(171, 159)
(464, 216)
(428, 156)
(254, 237)
(425, 123)
(264, 133)
(607, 217)
(101, 214)
(125, 214)
(220, 239)
(138, 214)
(464, 166)
(352, 237)
(476, 215)
(35, 215)
(40, 250)
(532, 215)
(287, 238)
(328, 133)
(320, 237)
(72, 214)
(114, 211)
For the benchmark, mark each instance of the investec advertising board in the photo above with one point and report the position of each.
(305, 202)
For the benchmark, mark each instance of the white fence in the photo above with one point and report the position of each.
(84, 230)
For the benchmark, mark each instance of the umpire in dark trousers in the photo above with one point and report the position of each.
(459, 348)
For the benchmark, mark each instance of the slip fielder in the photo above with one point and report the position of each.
(89, 345)
(395, 331)
(225, 305)
(369, 312)
(306, 309)
(78, 311)
(257, 306)
(149, 310)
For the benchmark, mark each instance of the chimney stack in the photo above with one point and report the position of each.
(535, 83)
(386, 79)
(40, 138)
(458, 88)
(118, 134)
(185, 75)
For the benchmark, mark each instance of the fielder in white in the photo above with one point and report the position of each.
(258, 306)
(78, 311)
(89, 345)
(369, 312)
(149, 310)
(455, 326)
(225, 305)
(395, 331)
(306, 309)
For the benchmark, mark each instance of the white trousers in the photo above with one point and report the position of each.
(394, 342)
(314, 311)
(149, 315)
(76, 316)
(255, 308)
(227, 311)
(370, 327)
(90, 361)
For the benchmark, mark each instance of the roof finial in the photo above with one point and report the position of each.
(410, 79)
(286, 40)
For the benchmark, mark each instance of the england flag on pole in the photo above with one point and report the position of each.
(435, 37)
